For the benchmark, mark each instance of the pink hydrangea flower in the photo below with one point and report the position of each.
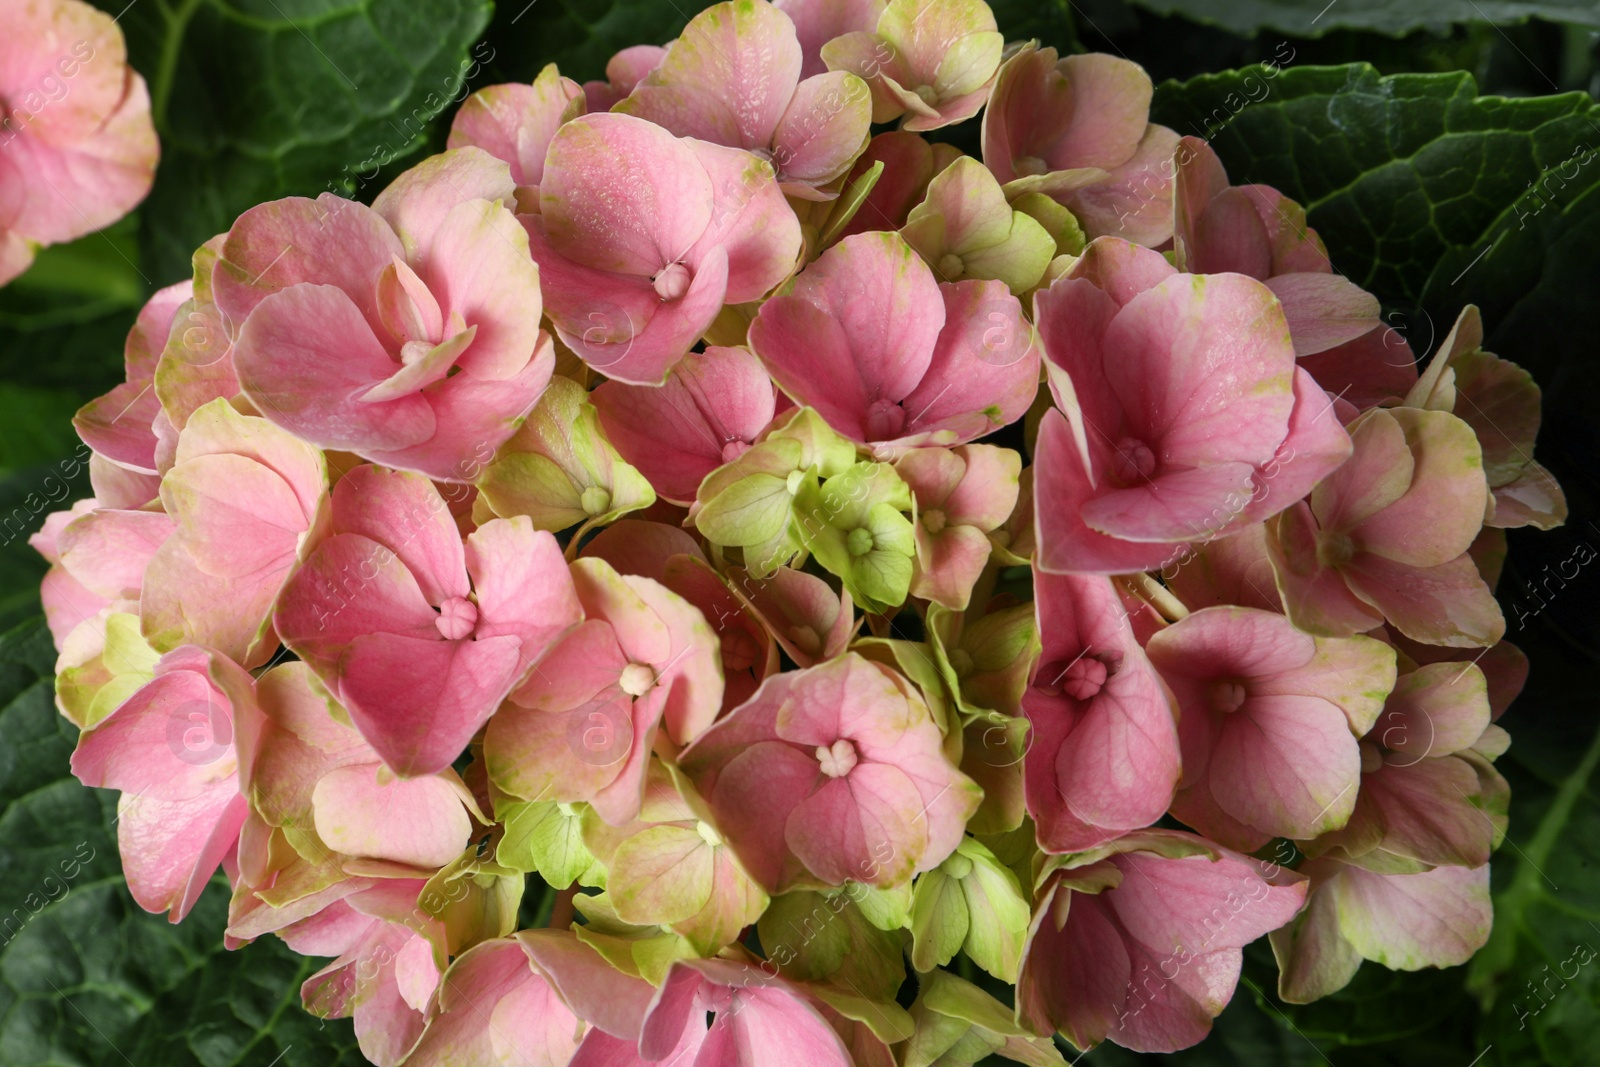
(77, 147)
(391, 956)
(890, 357)
(309, 771)
(1386, 536)
(833, 774)
(419, 636)
(709, 411)
(1139, 941)
(802, 612)
(1430, 795)
(932, 61)
(624, 70)
(1257, 231)
(120, 424)
(668, 555)
(733, 78)
(1182, 414)
(909, 164)
(816, 22)
(1436, 918)
(527, 1001)
(98, 558)
(670, 867)
(642, 664)
(963, 494)
(173, 751)
(1078, 129)
(722, 1013)
(407, 332)
(1102, 757)
(1269, 719)
(247, 499)
(1230, 570)
(1501, 402)
(642, 237)
(196, 367)
(516, 123)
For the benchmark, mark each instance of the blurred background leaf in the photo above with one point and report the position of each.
(1309, 18)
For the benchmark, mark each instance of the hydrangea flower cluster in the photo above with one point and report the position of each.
(77, 145)
(910, 606)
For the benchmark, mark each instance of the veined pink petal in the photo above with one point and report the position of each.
(603, 210)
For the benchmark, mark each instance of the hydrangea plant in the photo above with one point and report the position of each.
(839, 564)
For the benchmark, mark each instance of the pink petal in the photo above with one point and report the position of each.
(1287, 765)
(1315, 596)
(305, 356)
(1444, 605)
(727, 78)
(628, 334)
(985, 366)
(859, 327)
(326, 241)
(516, 122)
(1135, 202)
(1062, 487)
(824, 129)
(420, 822)
(1224, 393)
(621, 194)
(478, 267)
(712, 405)
(351, 586)
(417, 203)
(523, 588)
(817, 22)
(171, 848)
(406, 510)
(848, 826)
(419, 701)
(750, 221)
(1324, 310)
(1438, 918)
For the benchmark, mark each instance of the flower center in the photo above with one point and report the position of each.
(672, 282)
(933, 520)
(859, 541)
(950, 267)
(1133, 460)
(1028, 166)
(458, 616)
(595, 500)
(1227, 695)
(739, 650)
(837, 759)
(1082, 679)
(1334, 548)
(636, 679)
(732, 450)
(885, 418)
(928, 94)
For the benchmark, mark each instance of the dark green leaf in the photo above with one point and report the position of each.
(260, 99)
(1307, 18)
(579, 36)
